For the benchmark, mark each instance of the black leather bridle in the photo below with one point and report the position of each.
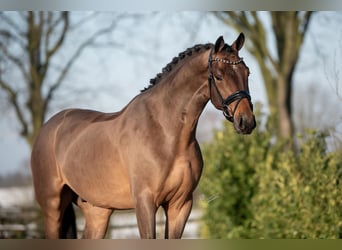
(237, 96)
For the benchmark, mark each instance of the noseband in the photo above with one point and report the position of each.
(237, 96)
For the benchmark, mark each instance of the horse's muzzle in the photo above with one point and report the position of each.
(244, 124)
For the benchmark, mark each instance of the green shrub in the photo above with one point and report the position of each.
(253, 188)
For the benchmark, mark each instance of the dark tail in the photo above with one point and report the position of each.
(69, 230)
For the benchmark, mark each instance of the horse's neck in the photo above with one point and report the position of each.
(183, 94)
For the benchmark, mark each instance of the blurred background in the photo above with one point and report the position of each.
(280, 182)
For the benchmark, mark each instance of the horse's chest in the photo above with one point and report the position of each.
(181, 180)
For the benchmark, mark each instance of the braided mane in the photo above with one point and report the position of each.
(168, 68)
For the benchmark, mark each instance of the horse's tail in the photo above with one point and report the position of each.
(69, 230)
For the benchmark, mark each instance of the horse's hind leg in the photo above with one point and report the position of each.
(96, 219)
(52, 219)
(55, 207)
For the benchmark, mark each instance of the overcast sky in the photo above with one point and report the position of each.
(107, 79)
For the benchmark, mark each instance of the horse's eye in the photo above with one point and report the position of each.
(218, 78)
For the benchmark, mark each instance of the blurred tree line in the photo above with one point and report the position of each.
(15, 179)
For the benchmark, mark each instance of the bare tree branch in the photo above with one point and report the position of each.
(12, 24)
(14, 34)
(16, 60)
(90, 41)
(83, 21)
(10, 37)
(65, 19)
(13, 99)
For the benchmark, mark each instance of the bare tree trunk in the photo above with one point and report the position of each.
(284, 114)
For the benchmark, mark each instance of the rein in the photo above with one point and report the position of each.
(237, 96)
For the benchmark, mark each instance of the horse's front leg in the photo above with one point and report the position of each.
(177, 214)
(146, 215)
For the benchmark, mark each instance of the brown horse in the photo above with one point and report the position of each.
(144, 156)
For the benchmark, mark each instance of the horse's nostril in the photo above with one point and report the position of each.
(241, 122)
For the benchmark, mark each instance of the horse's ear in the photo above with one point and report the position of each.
(237, 45)
(219, 44)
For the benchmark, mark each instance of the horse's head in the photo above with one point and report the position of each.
(228, 84)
